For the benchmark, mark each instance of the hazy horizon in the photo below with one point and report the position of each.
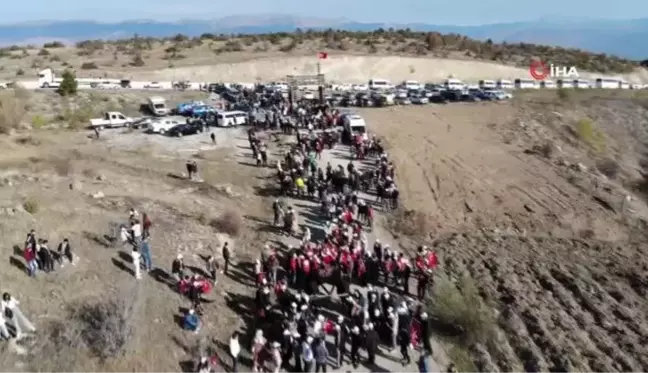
(440, 12)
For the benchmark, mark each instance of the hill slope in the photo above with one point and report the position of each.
(624, 37)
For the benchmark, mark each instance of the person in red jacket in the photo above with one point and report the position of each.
(30, 257)
(293, 267)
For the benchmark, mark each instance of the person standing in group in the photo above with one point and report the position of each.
(404, 340)
(64, 251)
(321, 355)
(307, 354)
(145, 250)
(212, 268)
(234, 350)
(137, 259)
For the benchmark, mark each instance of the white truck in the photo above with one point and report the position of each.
(157, 106)
(111, 119)
(48, 79)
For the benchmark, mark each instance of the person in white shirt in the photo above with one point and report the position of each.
(11, 312)
(234, 350)
(137, 258)
(4, 332)
(136, 229)
(124, 235)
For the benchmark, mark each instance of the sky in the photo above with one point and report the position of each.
(442, 12)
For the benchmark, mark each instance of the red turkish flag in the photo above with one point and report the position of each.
(322, 55)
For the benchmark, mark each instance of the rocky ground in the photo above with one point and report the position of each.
(516, 196)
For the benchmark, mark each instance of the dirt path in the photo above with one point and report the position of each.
(308, 216)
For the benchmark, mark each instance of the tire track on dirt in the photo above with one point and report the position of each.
(593, 324)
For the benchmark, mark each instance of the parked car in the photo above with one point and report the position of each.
(403, 101)
(153, 85)
(419, 100)
(202, 110)
(308, 95)
(468, 97)
(162, 125)
(111, 119)
(185, 130)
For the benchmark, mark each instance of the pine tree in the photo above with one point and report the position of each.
(68, 85)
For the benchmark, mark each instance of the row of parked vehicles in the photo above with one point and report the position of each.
(376, 98)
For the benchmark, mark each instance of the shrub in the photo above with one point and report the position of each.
(460, 307)
(137, 61)
(230, 222)
(409, 223)
(563, 94)
(13, 108)
(68, 85)
(43, 52)
(89, 66)
(609, 167)
(20, 72)
(38, 121)
(106, 326)
(54, 44)
(31, 206)
(588, 133)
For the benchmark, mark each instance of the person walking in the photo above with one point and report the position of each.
(11, 310)
(234, 350)
(307, 354)
(213, 138)
(137, 259)
(146, 253)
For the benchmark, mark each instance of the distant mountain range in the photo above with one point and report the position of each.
(625, 38)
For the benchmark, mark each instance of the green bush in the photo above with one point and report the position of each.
(590, 135)
(31, 206)
(89, 66)
(459, 306)
(54, 44)
(69, 84)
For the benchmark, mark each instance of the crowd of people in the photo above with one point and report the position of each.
(293, 320)
(368, 303)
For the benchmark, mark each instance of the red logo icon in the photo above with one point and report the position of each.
(539, 70)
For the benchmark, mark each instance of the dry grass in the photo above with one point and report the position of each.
(230, 222)
(409, 223)
(458, 306)
(13, 109)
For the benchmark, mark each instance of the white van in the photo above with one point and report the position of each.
(231, 118)
(157, 106)
(624, 85)
(581, 83)
(504, 84)
(487, 84)
(526, 84)
(607, 83)
(354, 124)
(453, 84)
(411, 85)
(379, 84)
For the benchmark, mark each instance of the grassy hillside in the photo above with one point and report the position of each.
(139, 52)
